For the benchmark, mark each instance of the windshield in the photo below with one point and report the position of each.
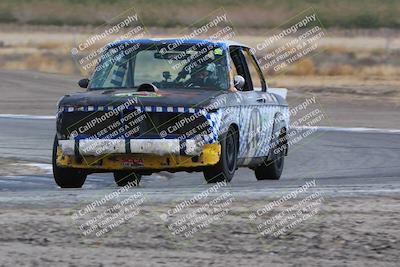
(165, 66)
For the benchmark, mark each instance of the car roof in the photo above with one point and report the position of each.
(223, 43)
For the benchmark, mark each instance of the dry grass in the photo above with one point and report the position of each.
(52, 45)
(50, 52)
(253, 13)
(306, 67)
(380, 70)
(43, 63)
(338, 70)
(335, 49)
(46, 62)
(303, 67)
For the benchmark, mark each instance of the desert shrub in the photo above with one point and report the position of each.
(304, 66)
(341, 69)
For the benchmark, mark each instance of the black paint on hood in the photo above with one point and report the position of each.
(165, 97)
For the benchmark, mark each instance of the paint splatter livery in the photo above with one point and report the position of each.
(172, 105)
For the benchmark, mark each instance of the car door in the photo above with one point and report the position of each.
(266, 104)
(250, 114)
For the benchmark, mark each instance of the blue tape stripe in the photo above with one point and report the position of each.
(142, 108)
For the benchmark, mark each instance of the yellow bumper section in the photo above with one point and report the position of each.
(210, 156)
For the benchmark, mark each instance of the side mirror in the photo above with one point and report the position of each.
(83, 83)
(238, 82)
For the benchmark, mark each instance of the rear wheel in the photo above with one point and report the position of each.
(226, 167)
(122, 178)
(272, 169)
(66, 177)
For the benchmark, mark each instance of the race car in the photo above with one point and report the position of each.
(171, 105)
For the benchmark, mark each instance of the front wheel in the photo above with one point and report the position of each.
(226, 167)
(272, 169)
(66, 177)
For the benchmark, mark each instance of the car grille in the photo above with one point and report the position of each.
(129, 124)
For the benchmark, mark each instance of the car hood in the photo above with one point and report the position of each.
(163, 97)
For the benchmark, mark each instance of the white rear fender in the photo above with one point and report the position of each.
(278, 91)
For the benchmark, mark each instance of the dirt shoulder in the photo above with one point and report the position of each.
(15, 167)
(354, 231)
(348, 101)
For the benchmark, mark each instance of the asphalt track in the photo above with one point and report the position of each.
(343, 162)
(356, 171)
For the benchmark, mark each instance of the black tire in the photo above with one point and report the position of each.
(66, 177)
(272, 169)
(226, 167)
(122, 178)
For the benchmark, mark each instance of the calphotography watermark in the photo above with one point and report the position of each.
(106, 214)
(92, 53)
(283, 215)
(296, 39)
(199, 212)
(113, 118)
(304, 119)
(191, 60)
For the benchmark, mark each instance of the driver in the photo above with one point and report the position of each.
(204, 77)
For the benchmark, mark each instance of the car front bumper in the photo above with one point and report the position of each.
(165, 158)
(161, 147)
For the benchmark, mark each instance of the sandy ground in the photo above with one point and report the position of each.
(361, 231)
(16, 167)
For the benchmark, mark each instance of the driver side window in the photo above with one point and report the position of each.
(240, 67)
(256, 76)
